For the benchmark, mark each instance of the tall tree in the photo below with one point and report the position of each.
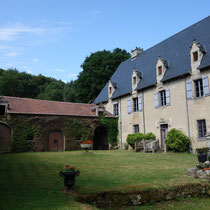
(69, 92)
(97, 70)
(54, 91)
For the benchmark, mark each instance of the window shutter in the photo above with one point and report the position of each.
(168, 101)
(189, 90)
(206, 85)
(156, 100)
(129, 105)
(140, 103)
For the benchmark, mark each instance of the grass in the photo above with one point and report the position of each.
(31, 180)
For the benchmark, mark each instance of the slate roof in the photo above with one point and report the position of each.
(175, 51)
(43, 107)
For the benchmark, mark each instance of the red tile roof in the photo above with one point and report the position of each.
(36, 106)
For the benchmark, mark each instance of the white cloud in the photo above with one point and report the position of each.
(9, 64)
(35, 60)
(72, 76)
(59, 70)
(12, 54)
(11, 33)
(29, 71)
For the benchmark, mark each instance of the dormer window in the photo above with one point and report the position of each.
(195, 56)
(160, 70)
(110, 90)
(197, 51)
(134, 80)
(161, 67)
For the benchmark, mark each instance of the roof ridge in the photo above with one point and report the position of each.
(46, 100)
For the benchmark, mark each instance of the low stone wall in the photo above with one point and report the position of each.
(202, 171)
(113, 199)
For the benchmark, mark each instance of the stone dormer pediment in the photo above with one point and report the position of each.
(136, 77)
(161, 67)
(197, 51)
(99, 110)
(111, 88)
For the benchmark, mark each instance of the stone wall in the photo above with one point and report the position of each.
(39, 127)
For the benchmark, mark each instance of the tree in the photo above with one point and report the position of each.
(69, 92)
(13, 83)
(54, 91)
(97, 70)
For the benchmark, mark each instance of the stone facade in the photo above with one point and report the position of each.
(165, 87)
(66, 125)
(39, 125)
(180, 113)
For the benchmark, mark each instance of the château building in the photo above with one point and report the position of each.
(164, 87)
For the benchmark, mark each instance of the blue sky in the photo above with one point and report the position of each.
(53, 37)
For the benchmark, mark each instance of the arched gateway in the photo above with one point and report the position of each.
(5, 138)
(55, 141)
(100, 140)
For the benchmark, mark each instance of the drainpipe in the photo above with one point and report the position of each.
(188, 121)
(120, 125)
(143, 112)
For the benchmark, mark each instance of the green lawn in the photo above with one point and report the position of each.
(31, 180)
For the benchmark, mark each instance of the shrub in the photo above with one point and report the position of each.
(177, 141)
(133, 138)
(149, 136)
(126, 146)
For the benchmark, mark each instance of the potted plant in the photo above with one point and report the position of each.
(88, 144)
(69, 176)
(202, 154)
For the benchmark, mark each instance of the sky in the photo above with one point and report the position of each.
(53, 37)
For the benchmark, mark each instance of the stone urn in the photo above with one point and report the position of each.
(202, 154)
(69, 178)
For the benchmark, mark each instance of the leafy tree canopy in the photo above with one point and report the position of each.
(97, 70)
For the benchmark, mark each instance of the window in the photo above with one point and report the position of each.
(198, 88)
(136, 128)
(160, 70)
(162, 98)
(195, 56)
(116, 109)
(110, 90)
(135, 105)
(30, 137)
(134, 80)
(201, 128)
(2, 109)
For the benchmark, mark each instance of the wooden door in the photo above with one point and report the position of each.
(5, 138)
(163, 133)
(55, 141)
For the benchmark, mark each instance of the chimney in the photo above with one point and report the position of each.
(136, 52)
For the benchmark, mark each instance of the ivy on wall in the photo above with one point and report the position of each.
(111, 124)
(23, 132)
(79, 130)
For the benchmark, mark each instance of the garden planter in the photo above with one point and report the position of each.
(69, 178)
(202, 157)
(86, 146)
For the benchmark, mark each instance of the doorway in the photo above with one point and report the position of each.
(5, 138)
(100, 140)
(55, 141)
(163, 134)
